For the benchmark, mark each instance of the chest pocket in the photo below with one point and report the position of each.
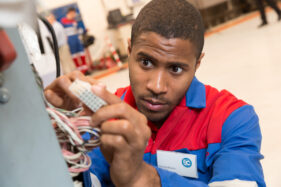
(204, 173)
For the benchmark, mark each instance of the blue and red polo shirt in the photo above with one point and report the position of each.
(221, 130)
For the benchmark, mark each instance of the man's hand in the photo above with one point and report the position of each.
(58, 93)
(124, 136)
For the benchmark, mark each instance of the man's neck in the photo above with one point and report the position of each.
(160, 123)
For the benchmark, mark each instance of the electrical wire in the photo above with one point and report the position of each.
(70, 127)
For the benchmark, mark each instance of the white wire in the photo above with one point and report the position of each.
(64, 126)
(71, 139)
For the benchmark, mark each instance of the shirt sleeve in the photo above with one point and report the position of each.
(238, 159)
(98, 174)
(239, 156)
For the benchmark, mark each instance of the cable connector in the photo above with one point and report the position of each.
(82, 90)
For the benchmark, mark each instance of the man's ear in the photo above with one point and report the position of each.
(129, 46)
(198, 63)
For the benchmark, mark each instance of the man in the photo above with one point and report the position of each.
(171, 130)
(65, 56)
(73, 32)
(273, 4)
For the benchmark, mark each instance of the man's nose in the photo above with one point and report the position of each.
(157, 84)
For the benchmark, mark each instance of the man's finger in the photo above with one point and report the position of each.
(78, 75)
(114, 111)
(120, 127)
(75, 75)
(61, 87)
(114, 142)
(100, 90)
(53, 98)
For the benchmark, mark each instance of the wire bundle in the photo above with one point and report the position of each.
(70, 127)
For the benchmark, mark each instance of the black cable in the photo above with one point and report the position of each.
(50, 43)
(40, 41)
(55, 42)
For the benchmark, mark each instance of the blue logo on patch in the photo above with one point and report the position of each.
(186, 162)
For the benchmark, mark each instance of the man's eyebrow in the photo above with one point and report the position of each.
(142, 54)
(145, 55)
(181, 64)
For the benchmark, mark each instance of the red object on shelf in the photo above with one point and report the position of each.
(7, 51)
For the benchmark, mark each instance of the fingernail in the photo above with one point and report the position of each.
(101, 84)
(97, 88)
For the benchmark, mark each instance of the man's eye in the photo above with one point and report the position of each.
(146, 63)
(176, 69)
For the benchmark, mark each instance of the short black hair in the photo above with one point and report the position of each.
(71, 9)
(171, 19)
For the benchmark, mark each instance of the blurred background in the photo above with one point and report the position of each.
(104, 26)
(242, 50)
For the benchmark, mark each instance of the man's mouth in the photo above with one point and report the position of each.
(154, 105)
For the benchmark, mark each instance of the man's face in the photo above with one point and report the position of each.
(71, 15)
(161, 71)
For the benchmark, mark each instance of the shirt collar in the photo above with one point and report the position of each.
(195, 96)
